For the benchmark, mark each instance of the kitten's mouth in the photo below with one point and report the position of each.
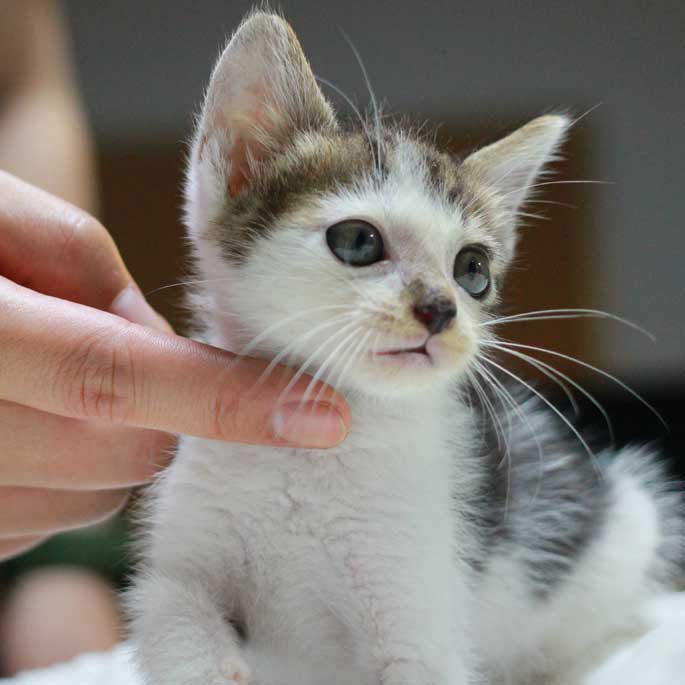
(409, 350)
(415, 356)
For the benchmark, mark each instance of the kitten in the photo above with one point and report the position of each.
(411, 554)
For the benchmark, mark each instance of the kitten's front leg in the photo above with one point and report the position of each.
(419, 646)
(400, 671)
(181, 635)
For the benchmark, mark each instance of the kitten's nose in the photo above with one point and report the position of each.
(436, 314)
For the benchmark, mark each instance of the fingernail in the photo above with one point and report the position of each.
(314, 424)
(130, 304)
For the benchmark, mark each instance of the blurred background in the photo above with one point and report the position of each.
(615, 242)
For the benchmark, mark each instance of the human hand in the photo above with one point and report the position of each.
(93, 382)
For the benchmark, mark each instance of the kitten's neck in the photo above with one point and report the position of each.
(439, 411)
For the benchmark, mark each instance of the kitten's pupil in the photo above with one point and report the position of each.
(355, 242)
(472, 271)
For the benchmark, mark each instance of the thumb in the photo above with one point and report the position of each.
(130, 304)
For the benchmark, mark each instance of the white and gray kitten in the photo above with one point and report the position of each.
(409, 554)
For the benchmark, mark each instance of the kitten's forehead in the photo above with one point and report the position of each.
(404, 179)
(313, 165)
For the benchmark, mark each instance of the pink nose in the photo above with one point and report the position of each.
(436, 315)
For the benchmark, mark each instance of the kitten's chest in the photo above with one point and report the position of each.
(323, 537)
(385, 488)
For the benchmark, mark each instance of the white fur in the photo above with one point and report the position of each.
(349, 565)
(591, 612)
(338, 557)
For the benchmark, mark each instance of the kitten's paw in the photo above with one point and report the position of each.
(233, 671)
(405, 672)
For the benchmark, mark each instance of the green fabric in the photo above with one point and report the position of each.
(103, 548)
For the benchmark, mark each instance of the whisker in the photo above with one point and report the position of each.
(181, 284)
(571, 427)
(555, 183)
(355, 109)
(507, 451)
(352, 357)
(324, 366)
(374, 102)
(294, 344)
(584, 114)
(567, 313)
(496, 388)
(355, 352)
(310, 360)
(472, 385)
(596, 369)
(530, 215)
(541, 366)
(252, 344)
(533, 433)
(343, 95)
(485, 400)
(374, 346)
(568, 205)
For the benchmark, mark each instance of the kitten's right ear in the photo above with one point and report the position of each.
(511, 165)
(262, 91)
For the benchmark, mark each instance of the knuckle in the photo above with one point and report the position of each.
(79, 235)
(225, 416)
(98, 378)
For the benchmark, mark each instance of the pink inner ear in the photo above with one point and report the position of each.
(239, 167)
(245, 148)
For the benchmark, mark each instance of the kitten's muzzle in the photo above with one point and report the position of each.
(435, 314)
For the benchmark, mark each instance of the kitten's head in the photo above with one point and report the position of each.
(366, 253)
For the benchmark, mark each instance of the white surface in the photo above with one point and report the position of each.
(108, 668)
(656, 658)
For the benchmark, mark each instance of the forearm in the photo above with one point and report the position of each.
(44, 137)
(44, 140)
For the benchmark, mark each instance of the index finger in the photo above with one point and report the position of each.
(80, 362)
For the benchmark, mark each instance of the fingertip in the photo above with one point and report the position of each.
(302, 412)
(339, 401)
(130, 304)
(159, 451)
(312, 425)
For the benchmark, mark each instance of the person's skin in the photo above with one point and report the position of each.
(93, 383)
(55, 614)
(44, 136)
(88, 399)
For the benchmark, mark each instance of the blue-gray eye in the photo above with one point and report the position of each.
(355, 242)
(472, 271)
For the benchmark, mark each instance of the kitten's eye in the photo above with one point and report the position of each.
(472, 271)
(355, 242)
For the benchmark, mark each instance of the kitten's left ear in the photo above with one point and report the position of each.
(511, 165)
(262, 92)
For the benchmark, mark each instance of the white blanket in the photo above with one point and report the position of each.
(657, 657)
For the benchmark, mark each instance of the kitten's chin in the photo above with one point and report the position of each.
(412, 378)
(411, 371)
